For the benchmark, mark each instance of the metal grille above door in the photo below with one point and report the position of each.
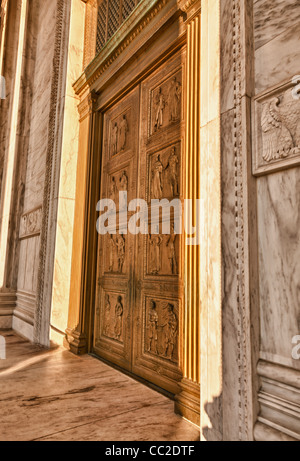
(111, 14)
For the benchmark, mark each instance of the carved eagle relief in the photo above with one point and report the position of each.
(280, 123)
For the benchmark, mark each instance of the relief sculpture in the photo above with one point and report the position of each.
(280, 124)
(31, 223)
(153, 327)
(157, 172)
(107, 313)
(174, 98)
(118, 318)
(123, 187)
(172, 251)
(116, 252)
(165, 179)
(114, 138)
(155, 253)
(162, 330)
(170, 331)
(160, 106)
(166, 104)
(123, 132)
(173, 174)
(120, 244)
(119, 134)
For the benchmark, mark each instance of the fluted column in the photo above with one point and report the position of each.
(188, 401)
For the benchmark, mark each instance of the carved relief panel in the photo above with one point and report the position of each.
(165, 105)
(120, 134)
(159, 292)
(113, 310)
(276, 129)
(161, 328)
(140, 294)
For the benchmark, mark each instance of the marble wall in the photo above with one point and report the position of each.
(260, 217)
(47, 129)
(277, 61)
(41, 26)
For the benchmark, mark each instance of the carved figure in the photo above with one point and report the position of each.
(120, 244)
(153, 326)
(160, 106)
(123, 187)
(157, 170)
(107, 309)
(174, 97)
(173, 175)
(155, 243)
(114, 138)
(170, 331)
(112, 246)
(123, 132)
(113, 189)
(118, 318)
(172, 251)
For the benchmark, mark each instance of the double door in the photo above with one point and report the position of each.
(139, 294)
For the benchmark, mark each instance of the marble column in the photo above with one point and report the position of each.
(188, 400)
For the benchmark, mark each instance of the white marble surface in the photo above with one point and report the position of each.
(279, 264)
(273, 17)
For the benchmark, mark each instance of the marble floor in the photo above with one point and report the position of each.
(55, 395)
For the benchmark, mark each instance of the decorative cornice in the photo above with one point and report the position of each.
(128, 32)
(186, 5)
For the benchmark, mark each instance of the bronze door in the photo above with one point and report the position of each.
(139, 296)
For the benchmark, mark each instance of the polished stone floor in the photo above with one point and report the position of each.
(55, 395)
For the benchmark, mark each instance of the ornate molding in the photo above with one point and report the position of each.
(31, 223)
(186, 5)
(127, 33)
(87, 105)
(279, 402)
(240, 167)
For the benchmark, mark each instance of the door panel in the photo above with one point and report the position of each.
(159, 291)
(115, 270)
(139, 298)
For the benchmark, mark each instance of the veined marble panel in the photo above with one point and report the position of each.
(278, 59)
(279, 264)
(273, 17)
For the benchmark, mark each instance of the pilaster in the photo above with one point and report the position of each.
(188, 401)
(76, 338)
